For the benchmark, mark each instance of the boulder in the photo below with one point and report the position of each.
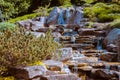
(111, 37)
(27, 73)
(109, 56)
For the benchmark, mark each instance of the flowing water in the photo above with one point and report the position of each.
(99, 43)
(61, 17)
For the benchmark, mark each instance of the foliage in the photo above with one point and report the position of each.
(19, 48)
(25, 17)
(115, 23)
(105, 18)
(6, 25)
(89, 1)
(38, 12)
(12, 8)
(103, 12)
(7, 78)
(43, 11)
(37, 63)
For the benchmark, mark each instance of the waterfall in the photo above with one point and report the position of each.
(107, 67)
(78, 15)
(99, 43)
(75, 68)
(61, 17)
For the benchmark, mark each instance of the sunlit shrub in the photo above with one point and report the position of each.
(19, 48)
(7, 78)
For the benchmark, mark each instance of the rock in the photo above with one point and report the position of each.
(84, 31)
(111, 57)
(111, 37)
(100, 33)
(112, 47)
(99, 26)
(53, 65)
(38, 34)
(66, 53)
(44, 29)
(33, 24)
(104, 74)
(88, 59)
(84, 68)
(101, 74)
(61, 77)
(56, 34)
(97, 65)
(27, 73)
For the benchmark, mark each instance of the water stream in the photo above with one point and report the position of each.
(99, 43)
(61, 17)
(107, 67)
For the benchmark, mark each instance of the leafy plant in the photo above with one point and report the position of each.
(102, 12)
(19, 48)
(7, 78)
(6, 25)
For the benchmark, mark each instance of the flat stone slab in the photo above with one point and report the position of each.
(61, 77)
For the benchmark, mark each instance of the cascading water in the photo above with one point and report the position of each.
(68, 15)
(99, 43)
(61, 17)
(79, 15)
(42, 19)
(71, 15)
(107, 67)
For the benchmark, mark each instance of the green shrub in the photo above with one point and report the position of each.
(6, 25)
(19, 48)
(115, 23)
(105, 18)
(103, 12)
